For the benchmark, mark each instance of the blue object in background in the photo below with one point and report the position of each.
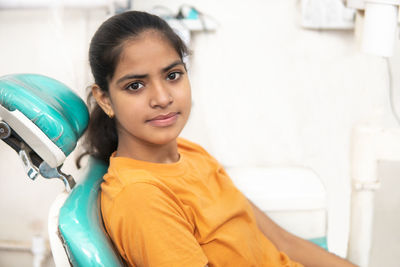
(193, 14)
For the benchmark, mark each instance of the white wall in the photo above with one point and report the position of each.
(38, 41)
(265, 92)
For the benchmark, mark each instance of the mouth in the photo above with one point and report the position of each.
(164, 120)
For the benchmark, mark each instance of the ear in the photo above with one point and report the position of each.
(103, 99)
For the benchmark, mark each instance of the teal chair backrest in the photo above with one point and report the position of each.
(47, 108)
(81, 224)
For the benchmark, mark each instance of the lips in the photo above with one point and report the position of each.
(164, 120)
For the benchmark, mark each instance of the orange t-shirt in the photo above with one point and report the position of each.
(187, 213)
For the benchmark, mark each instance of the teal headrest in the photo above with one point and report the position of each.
(53, 107)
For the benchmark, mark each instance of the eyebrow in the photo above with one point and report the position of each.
(142, 76)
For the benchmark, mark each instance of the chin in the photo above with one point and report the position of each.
(163, 139)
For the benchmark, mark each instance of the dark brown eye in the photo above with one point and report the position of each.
(134, 86)
(173, 76)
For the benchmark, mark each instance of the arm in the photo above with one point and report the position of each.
(298, 249)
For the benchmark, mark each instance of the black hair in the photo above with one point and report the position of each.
(105, 49)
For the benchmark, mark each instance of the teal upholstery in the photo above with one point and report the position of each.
(63, 117)
(322, 242)
(52, 106)
(80, 222)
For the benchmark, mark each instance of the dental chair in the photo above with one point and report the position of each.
(42, 120)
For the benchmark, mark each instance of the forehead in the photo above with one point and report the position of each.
(149, 51)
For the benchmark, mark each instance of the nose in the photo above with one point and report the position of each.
(160, 96)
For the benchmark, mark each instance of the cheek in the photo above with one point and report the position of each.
(128, 110)
(185, 96)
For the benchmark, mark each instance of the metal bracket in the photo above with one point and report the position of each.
(48, 172)
(30, 169)
(33, 164)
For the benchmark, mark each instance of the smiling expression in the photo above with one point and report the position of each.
(149, 94)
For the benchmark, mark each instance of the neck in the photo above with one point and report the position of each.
(164, 153)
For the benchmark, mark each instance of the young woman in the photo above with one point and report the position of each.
(165, 201)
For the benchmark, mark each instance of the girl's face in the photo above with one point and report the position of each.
(149, 94)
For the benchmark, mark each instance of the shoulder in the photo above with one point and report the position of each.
(123, 171)
(138, 183)
(131, 186)
(196, 154)
(145, 193)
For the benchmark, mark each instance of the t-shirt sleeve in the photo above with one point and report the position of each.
(150, 228)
